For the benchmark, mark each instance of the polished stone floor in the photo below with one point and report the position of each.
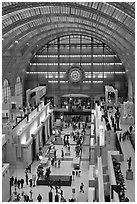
(66, 168)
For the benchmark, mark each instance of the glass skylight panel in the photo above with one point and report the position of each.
(55, 9)
(4, 4)
(94, 16)
(110, 10)
(123, 17)
(116, 13)
(94, 5)
(72, 10)
(100, 5)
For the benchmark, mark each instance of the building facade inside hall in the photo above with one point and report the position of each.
(68, 102)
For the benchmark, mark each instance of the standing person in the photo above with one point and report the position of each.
(55, 163)
(59, 162)
(55, 151)
(27, 178)
(130, 129)
(12, 180)
(18, 197)
(120, 137)
(15, 181)
(22, 182)
(18, 183)
(31, 193)
(27, 198)
(62, 153)
(52, 161)
(39, 198)
(81, 187)
(34, 180)
(69, 148)
(22, 197)
(30, 182)
(29, 167)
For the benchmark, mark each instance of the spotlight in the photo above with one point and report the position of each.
(40, 157)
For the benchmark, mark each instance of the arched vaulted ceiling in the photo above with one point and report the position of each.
(32, 24)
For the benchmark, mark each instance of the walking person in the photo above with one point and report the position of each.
(39, 198)
(81, 187)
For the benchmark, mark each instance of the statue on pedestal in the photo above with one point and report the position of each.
(129, 164)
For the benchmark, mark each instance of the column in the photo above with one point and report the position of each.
(116, 97)
(130, 91)
(106, 96)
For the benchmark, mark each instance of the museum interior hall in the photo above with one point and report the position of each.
(68, 101)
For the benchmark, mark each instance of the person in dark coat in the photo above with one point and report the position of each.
(29, 168)
(120, 137)
(59, 162)
(81, 187)
(27, 198)
(39, 198)
(22, 182)
(18, 183)
(55, 151)
(130, 129)
(15, 181)
(62, 153)
(30, 182)
(12, 180)
(27, 178)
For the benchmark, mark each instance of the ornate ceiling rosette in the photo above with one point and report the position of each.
(75, 74)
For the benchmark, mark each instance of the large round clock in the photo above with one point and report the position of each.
(75, 74)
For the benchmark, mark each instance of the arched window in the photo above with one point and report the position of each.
(18, 87)
(6, 91)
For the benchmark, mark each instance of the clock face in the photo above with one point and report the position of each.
(75, 75)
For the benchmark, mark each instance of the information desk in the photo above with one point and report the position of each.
(76, 163)
(44, 161)
(59, 180)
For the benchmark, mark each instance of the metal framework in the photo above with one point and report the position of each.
(29, 23)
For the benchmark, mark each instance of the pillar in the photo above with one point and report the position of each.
(57, 101)
(130, 90)
(116, 96)
(106, 97)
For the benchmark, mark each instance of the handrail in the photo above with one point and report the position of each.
(112, 177)
(100, 181)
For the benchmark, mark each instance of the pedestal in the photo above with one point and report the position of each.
(129, 175)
